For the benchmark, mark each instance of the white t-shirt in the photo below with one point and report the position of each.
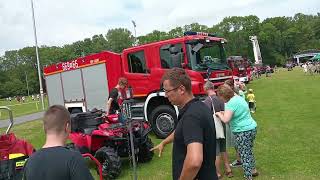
(305, 68)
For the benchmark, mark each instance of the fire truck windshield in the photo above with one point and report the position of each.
(203, 55)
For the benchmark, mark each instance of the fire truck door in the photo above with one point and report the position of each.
(54, 89)
(95, 84)
(72, 86)
(137, 73)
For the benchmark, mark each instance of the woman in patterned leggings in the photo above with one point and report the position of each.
(242, 125)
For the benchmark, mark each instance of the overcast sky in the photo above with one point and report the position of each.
(62, 22)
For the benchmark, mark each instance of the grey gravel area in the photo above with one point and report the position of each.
(21, 119)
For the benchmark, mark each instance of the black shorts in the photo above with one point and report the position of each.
(220, 146)
(251, 105)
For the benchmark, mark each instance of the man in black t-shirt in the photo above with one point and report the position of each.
(194, 138)
(112, 104)
(54, 161)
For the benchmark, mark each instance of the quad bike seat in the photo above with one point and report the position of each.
(88, 131)
(86, 120)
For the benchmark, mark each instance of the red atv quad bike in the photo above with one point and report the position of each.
(108, 139)
(13, 153)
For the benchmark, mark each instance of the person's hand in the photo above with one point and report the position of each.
(159, 147)
(219, 114)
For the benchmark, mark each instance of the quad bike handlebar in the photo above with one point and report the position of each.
(125, 124)
(10, 118)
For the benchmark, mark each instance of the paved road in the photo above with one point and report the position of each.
(22, 119)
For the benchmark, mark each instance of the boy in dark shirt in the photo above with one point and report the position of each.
(115, 95)
(54, 161)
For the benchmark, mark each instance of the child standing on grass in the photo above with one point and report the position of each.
(252, 101)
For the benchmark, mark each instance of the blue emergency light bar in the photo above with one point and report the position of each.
(190, 33)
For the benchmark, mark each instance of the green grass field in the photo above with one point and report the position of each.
(288, 139)
(20, 109)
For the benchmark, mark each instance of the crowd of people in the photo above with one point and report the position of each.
(311, 68)
(23, 99)
(204, 131)
(205, 128)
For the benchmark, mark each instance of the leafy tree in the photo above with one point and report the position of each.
(279, 39)
(119, 39)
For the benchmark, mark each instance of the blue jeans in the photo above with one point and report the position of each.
(122, 118)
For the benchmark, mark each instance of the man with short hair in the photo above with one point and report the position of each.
(194, 138)
(54, 161)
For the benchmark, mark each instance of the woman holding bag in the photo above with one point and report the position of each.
(243, 126)
(216, 105)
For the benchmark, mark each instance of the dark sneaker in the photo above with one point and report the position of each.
(255, 174)
(236, 163)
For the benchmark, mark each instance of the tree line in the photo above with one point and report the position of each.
(279, 38)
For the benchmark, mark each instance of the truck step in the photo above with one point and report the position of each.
(137, 110)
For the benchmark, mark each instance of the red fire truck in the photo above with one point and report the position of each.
(84, 83)
(240, 68)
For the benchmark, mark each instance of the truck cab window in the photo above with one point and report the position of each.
(137, 62)
(204, 55)
(171, 55)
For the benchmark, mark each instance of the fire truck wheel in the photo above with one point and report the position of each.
(110, 161)
(163, 120)
(145, 155)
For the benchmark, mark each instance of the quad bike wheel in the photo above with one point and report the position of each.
(110, 161)
(145, 155)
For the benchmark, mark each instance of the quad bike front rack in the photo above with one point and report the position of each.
(98, 164)
(10, 118)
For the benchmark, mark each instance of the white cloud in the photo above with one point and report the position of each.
(65, 21)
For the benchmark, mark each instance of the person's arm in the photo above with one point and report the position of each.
(78, 169)
(192, 162)
(108, 105)
(225, 116)
(163, 143)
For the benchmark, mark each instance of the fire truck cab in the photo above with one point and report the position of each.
(240, 67)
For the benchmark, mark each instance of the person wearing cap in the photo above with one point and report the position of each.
(252, 101)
